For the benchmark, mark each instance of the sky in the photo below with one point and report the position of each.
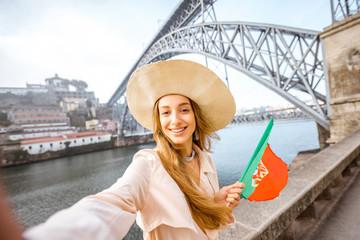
(99, 41)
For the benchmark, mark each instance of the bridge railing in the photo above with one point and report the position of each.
(312, 189)
(281, 114)
(265, 116)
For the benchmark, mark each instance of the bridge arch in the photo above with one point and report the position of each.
(283, 59)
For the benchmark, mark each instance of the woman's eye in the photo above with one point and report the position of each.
(185, 110)
(164, 113)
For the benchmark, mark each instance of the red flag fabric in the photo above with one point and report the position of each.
(270, 177)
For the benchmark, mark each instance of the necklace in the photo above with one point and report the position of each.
(189, 159)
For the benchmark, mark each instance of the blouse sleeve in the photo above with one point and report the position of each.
(106, 215)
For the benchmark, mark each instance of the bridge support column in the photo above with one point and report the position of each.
(324, 135)
(342, 50)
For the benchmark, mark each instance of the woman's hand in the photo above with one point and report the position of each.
(230, 194)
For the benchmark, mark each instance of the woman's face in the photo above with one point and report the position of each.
(177, 119)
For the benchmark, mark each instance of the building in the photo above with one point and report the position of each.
(44, 144)
(71, 104)
(75, 94)
(24, 91)
(62, 90)
(92, 124)
(108, 125)
(57, 88)
(58, 84)
(34, 114)
(42, 130)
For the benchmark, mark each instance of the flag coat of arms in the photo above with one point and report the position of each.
(266, 174)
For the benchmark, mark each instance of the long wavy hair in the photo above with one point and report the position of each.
(205, 212)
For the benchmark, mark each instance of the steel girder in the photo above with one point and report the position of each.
(282, 59)
(341, 9)
(187, 12)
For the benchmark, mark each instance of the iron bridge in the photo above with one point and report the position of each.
(286, 60)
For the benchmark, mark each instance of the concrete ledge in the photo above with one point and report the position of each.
(341, 25)
(311, 181)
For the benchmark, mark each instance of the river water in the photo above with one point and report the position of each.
(38, 190)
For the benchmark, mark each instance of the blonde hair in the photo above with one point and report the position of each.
(205, 212)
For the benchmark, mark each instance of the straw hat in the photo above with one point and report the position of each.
(193, 80)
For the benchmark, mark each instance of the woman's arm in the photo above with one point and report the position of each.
(107, 215)
(9, 228)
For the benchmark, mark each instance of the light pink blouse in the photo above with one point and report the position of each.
(146, 193)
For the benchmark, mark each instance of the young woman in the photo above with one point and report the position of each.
(171, 190)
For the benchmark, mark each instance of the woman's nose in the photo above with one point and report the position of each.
(175, 118)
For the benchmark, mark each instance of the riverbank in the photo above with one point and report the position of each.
(14, 156)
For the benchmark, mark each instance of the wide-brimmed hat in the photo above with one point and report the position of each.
(193, 80)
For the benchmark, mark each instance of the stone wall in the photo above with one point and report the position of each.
(342, 50)
(134, 140)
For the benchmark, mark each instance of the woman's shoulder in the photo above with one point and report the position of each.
(145, 161)
(147, 154)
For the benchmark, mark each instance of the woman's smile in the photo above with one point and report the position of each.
(178, 130)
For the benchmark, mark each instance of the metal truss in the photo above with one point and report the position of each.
(188, 12)
(282, 59)
(341, 9)
(286, 60)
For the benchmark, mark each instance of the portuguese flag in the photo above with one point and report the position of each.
(266, 174)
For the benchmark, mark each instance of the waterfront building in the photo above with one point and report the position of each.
(45, 127)
(42, 130)
(44, 144)
(20, 136)
(33, 114)
(108, 125)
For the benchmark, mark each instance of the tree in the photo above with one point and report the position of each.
(80, 85)
(88, 103)
(4, 119)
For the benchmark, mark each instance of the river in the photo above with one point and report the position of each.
(38, 190)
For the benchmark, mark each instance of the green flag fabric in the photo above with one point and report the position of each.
(247, 175)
